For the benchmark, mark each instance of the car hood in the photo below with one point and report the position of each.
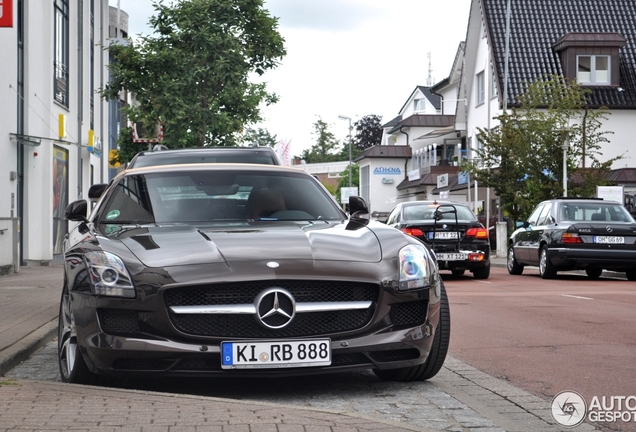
(161, 246)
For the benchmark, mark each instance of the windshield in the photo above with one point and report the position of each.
(216, 195)
(595, 211)
(427, 212)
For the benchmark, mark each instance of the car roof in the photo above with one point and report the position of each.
(239, 155)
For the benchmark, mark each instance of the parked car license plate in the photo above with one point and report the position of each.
(451, 256)
(443, 234)
(609, 239)
(275, 354)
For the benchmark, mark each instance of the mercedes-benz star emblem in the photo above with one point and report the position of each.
(609, 229)
(275, 307)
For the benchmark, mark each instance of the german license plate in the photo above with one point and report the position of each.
(451, 256)
(443, 234)
(275, 354)
(609, 239)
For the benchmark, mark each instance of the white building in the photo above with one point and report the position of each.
(52, 121)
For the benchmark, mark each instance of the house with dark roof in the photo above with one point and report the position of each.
(590, 41)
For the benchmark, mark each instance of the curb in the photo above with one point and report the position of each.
(15, 354)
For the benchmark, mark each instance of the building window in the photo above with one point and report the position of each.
(593, 69)
(493, 86)
(481, 87)
(61, 57)
(420, 105)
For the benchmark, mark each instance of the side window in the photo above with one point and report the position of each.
(392, 217)
(534, 217)
(544, 217)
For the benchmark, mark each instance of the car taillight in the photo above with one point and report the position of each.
(480, 233)
(571, 238)
(415, 232)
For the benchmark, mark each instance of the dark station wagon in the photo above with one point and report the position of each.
(575, 234)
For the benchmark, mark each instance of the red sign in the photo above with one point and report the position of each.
(6, 13)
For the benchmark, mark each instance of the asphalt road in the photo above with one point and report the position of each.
(547, 336)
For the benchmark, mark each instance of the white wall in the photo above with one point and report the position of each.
(41, 117)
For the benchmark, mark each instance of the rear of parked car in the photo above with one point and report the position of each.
(451, 230)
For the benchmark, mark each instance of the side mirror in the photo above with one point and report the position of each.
(76, 211)
(357, 207)
(96, 191)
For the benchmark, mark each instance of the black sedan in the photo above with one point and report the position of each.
(575, 234)
(451, 229)
(243, 270)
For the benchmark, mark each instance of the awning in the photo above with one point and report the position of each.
(436, 132)
(35, 141)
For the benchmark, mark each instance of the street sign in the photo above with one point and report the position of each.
(346, 192)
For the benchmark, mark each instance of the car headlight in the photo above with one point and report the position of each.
(108, 275)
(415, 268)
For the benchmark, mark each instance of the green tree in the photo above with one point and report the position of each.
(326, 147)
(522, 159)
(192, 71)
(344, 180)
(259, 136)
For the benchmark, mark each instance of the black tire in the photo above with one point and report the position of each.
(631, 274)
(71, 362)
(514, 268)
(436, 356)
(546, 269)
(594, 273)
(482, 272)
(458, 272)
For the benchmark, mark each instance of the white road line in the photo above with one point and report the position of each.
(578, 297)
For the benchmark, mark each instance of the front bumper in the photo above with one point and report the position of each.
(125, 356)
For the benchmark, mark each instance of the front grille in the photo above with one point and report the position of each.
(245, 292)
(409, 314)
(246, 326)
(118, 321)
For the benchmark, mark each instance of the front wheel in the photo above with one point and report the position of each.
(631, 274)
(514, 268)
(547, 270)
(436, 355)
(72, 366)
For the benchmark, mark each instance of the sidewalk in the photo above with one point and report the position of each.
(459, 398)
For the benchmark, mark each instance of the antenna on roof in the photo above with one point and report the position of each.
(429, 80)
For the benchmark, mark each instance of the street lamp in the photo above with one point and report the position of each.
(565, 146)
(341, 117)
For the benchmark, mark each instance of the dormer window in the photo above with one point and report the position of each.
(593, 69)
(591, 59)
(420, 105)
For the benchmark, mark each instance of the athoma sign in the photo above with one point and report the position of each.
(387, 171)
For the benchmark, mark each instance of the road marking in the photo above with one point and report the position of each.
(578, 297)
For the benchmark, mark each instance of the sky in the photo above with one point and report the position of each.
(347, 57)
